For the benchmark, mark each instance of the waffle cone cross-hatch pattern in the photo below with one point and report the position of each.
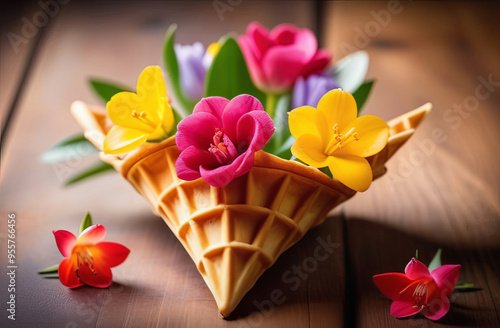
(234, 233)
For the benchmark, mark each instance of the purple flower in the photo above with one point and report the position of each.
(218, 141)
(308, 92)
(194, 63)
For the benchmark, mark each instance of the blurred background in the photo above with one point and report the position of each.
(441, 189)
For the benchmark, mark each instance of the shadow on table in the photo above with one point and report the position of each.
(302, 275)
(299, 285)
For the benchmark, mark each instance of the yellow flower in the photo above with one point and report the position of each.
(331, 136)
(139, 117)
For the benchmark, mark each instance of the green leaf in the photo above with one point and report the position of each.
(98, 168)
(279, 144)
(327, 171)
(228, 76)
(51, 276)
(106, 90)
(362, 93)
(350, 71)
(68, 149)
(280, 118)
(49, 270)
(466, 287)
(436, 261)
(86, 222)
(284, 151)
(173, 72)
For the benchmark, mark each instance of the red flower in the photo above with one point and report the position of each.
(418, 290)
(88, 260)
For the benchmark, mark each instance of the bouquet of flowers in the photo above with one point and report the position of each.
(256, 141)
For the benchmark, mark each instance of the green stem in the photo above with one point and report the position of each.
(271, 102)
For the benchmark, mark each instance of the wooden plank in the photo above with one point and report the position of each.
(158, 285)
(442, 188)
(447, 172)
(20, 36)
(386, 249)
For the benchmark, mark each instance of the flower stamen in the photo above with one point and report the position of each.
(419, 295)
(220, 149)
(143, 119)
(84, 257)
(339, 140)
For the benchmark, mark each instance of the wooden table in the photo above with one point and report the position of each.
(442, 189)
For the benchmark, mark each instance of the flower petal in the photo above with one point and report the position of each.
(168, 120)
(252, 56)
(339, 107)
(212, 105)
(193, 158)
(302, 121)
(65, 241)
(353, 171)
(283, 63)
(198, 129)
(121, 140)
(112, 254)
(281, 66)
(191, 69)
(308, 92)
(220, 176)
(403, 308)
(235, 109)
(254, 130)
(152, 93)
(260, 37)
(390, 284)
(101, 277)
(446, 277)
(300, 93)
(67, 274)
(325, 131)
(294, 37)
(120, 108)
(244, 163)
(373, 133)
(417, 270)
(317, 64)
(437, 308)
(308, 148)
(91, 235)
(184, 172)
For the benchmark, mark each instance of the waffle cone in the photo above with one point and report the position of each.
(234, 233)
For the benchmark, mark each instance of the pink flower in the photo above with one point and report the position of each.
(218, 141)
(88, 260)
(277, 58)
(418, 290)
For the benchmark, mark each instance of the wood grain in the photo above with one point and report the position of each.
(439, 191)
(158, 285)
(18, 45)
(448, 179)
(448, 197)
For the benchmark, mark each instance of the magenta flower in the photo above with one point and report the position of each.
(218, 141)
(418, 290)
(277, 58)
